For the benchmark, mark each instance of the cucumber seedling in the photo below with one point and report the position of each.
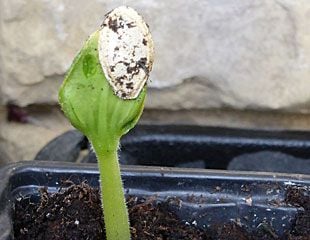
(103, 96)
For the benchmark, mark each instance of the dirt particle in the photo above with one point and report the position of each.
(129, 85)
(130, 25)
(113, 25)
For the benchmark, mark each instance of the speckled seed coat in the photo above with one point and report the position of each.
(125, 51)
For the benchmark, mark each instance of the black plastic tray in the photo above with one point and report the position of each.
(198, 147)
(207, 197)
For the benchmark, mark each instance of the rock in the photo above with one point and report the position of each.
(39, 40)
(237, 54)
(209, 54)
(22, 141)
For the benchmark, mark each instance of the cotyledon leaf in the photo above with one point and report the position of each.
(90, 103)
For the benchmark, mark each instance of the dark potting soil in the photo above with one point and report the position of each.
(75, 213)
(300, 197)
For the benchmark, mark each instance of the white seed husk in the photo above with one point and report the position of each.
(125, 51)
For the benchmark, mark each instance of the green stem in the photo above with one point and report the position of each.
(112, 195)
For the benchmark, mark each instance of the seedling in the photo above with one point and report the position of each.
(103, 96)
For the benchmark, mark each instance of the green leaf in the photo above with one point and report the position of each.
(90, 103)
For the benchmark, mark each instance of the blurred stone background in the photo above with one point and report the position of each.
(218, 62)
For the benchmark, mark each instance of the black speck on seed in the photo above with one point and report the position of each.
(143, 60)
(130, 70)
(125, 63)
(123, 95)
(116, 48)
(142, 64)
(120, 80)
(131, 25)
(113, 24)
(144, 41)
(129, 85)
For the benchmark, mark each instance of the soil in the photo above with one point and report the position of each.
(75, 213)
(300, 197)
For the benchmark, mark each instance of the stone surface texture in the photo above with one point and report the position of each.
(20, 141)
(209, 54)
(217, 62)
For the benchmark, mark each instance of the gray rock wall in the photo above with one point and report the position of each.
(209, 54)
(218, 62)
